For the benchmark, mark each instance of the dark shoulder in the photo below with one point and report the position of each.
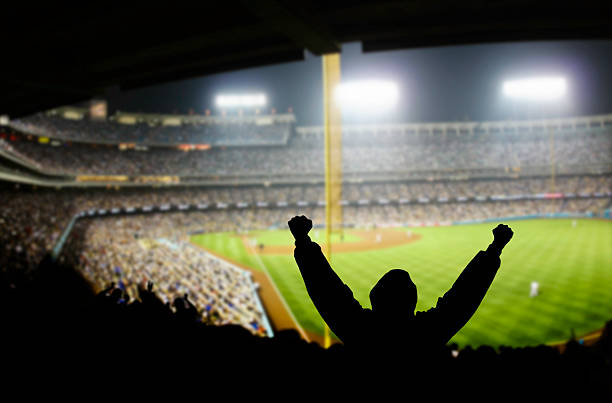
(366, 314)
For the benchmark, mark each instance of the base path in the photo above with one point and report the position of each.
(368, 240)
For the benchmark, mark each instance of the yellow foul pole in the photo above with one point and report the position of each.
(333, 156)
(552, 159)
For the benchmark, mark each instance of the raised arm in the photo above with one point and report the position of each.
(459, 303)
(332, 298)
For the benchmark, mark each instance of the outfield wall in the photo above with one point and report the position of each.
(526, 217)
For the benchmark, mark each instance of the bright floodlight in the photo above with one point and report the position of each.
(367, 95)
(536, 89)
(237, 100)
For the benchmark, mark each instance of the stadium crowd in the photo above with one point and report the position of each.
(31, 223)
(425, 192)
(304, 155)
(132, 251)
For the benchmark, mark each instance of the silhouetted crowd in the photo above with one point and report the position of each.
(58, 329)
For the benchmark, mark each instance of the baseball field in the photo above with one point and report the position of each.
(571, 260)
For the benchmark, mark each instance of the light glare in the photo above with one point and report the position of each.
(235, 100)
(367, 95)
(536, 89)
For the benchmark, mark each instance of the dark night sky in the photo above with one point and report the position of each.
(436, 84)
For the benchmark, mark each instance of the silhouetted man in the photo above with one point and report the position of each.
(391, 329)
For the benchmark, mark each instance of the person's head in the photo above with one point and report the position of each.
(395, 293)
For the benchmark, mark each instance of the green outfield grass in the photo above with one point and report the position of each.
(572, 265)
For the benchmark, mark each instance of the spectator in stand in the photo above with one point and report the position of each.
(398, 154)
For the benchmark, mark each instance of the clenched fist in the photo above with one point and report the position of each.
(502, 235)
(299, 226)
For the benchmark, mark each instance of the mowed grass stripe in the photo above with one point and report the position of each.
(573, 266)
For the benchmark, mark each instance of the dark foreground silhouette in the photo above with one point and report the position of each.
(391, 327)
(56, 331)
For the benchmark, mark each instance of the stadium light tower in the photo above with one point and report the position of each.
(241, 100)
(539, 89)
(369, 96)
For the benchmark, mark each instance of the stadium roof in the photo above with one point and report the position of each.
(62, 54)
